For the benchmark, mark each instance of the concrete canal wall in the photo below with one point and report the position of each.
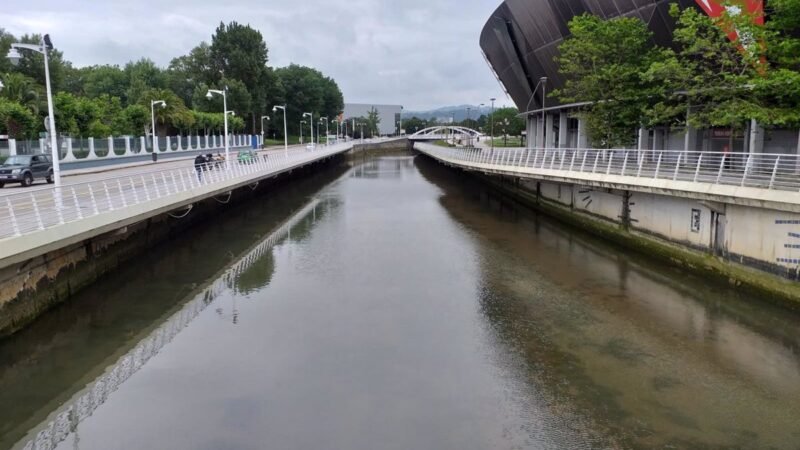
(756, 248)
(35, 284)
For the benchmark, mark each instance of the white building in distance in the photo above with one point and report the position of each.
(388, 114)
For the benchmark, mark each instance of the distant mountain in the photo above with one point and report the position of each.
(446, 113)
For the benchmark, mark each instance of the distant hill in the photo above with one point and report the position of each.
(446, 113)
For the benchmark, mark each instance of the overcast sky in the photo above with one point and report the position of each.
(419, 53)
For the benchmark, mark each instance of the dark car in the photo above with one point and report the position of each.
(25, 169)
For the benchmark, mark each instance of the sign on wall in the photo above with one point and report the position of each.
(695, 220)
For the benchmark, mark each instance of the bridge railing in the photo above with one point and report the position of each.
(39, 209)
(760, 170)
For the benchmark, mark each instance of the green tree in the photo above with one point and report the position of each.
(32, 63)
(15, 120)
(104, 80)
(238, 52)
(303, 92)
(371, 122)
(175, 114)
(23, 90)
(143, 75)
(507, 119)
(603, 62)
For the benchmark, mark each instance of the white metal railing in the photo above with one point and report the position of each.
(759, 170)
(76, 149)
(40, 209)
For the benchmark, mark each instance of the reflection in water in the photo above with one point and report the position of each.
(67, 418)
(655, 356)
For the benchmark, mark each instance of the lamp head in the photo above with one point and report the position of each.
(209, 95)
(1, 85)
(13, 56)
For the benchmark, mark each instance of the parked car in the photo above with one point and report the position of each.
(25, 169)
(246, 156)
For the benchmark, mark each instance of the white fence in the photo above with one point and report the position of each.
(41, 209)
(74, 149)
(760, 170)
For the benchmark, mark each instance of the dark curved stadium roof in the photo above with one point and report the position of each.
(521, 38)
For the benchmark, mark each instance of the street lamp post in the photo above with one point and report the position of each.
(224, 95)
(325, 119)
(153, 104)
(310, 126)
(491, 133)
(44, 46)
(285, 133)
(262, 128)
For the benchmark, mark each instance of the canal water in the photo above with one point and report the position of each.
(392, 303)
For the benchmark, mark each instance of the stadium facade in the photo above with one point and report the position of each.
(520, 42)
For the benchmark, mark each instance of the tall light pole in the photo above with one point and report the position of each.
(153, 104)
(491, 133)
(285, 134)
(44, 46)
(543, 80)
(337, 129)
(262, 128)
(325, 119)
(224, 94)
(310, 126)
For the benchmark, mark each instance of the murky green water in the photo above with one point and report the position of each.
(399, 305)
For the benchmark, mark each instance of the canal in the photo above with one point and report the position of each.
(392, 303)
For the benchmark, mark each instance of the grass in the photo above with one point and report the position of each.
(511, 141)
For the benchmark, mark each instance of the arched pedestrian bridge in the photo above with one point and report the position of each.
(439, 133)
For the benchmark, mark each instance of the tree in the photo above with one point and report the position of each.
(372, 121)
(175, 114)
(22, 90)
(186, 72)
(143, 75)
(508, 119)
(15, 120)
(32, 63)
(303, 92)
(238, 52)
(104, 80)
(602, 62)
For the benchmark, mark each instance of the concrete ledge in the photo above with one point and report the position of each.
(787, 201)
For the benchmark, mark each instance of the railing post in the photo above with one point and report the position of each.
(624, 163)
(561, 163)
(677, 167)
(608, 168)
(146, 191)
(774, 172)
(164, 180)
(92, 154)
(641, 161)
(572, 160)
(12, 147)
(78, 211)
(721, 167)
(746, 168)
(108, 197)
(155, 185)
(111, 152)
(697, 170)
(596, 159)
(36, 212)
(14, 224)
(658, 165)
(128, 146)
(121, 193)
(95, 207)
(133, 189)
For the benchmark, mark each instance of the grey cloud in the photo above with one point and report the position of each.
(418, 53)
